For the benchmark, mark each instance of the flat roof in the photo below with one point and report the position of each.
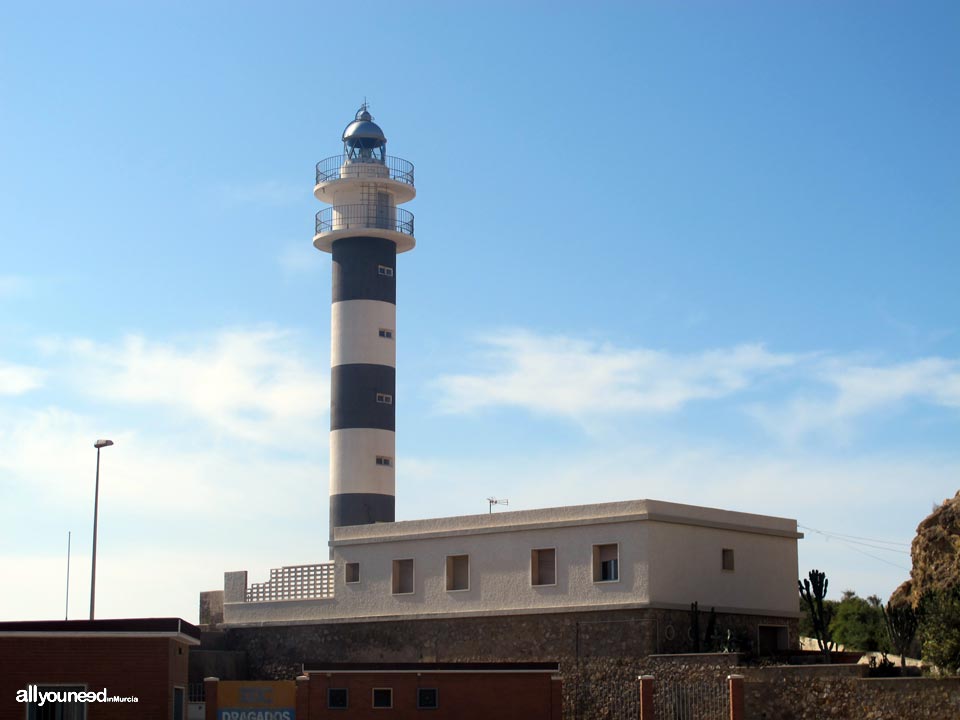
(447, 667)
(601, 513)
(112, 627)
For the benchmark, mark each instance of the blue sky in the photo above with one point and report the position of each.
(700, 251)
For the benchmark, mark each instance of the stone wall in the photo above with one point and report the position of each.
(782, 694)
(627, 636)
(816, 692)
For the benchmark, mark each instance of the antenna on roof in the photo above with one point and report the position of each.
(494, 501)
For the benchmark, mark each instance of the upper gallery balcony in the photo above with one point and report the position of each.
(334, 173)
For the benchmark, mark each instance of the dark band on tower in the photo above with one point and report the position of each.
(364, 230)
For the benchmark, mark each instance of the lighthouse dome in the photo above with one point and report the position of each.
(363, 132)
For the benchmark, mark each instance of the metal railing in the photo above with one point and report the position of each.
(337, 167)
(294, 582)
(380, 217)
(705, 699)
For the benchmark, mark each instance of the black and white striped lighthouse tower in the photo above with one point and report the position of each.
(364, 229)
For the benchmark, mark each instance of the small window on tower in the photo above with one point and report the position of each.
(385, 399)
(351, 572)
(385, 271)
(384, 460)
(386, 333)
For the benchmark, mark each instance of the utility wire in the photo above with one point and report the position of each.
(851, 547)
(857, 540)
(842, 539)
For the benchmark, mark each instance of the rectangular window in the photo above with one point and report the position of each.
(386, 333)
(428, 698)
(178, 706)
(66, 710)
(351, 572)
(384, 399)
(403, 576)
(383, 697)
(606, 562)
(385, 271)
(338, 698)
(458, 572)
(727, 559)
(543, 566)
(384, 460)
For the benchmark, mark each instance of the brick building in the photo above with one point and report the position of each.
(142, 658)
(438, 691)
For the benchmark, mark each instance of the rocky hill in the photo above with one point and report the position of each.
(936, 553)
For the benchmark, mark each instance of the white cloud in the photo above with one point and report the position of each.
(570, 377)
(253, 385)
(849, 390)
(863, 388)
(18, 379)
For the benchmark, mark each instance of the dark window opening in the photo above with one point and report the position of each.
(428, 698)
(383, 697)
(338, 698)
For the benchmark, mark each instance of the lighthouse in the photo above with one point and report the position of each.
(363, 229)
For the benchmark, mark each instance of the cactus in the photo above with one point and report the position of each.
(813, 591)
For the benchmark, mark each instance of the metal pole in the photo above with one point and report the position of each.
(66, 610)
(93, 567)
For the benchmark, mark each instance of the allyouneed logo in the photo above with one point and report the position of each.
(33, 694)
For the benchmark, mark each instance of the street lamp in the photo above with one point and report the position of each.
(96, 500)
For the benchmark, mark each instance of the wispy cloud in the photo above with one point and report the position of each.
(565, 376)
(252, 384)
(847, 391)
(18, 379)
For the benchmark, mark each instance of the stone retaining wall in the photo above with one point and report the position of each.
(771, 694)
(627, 636)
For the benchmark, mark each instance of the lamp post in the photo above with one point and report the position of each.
(96, 501)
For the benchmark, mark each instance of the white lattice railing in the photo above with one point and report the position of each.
(294, 582)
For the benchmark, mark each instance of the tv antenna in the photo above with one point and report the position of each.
(495, 501)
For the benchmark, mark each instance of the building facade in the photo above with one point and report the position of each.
(623, 555)
(141, 658)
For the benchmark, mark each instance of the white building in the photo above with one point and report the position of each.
(611, 556)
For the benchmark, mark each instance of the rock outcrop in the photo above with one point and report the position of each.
(935, 552)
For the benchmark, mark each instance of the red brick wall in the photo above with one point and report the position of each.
(147, 668)
(463, 696)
